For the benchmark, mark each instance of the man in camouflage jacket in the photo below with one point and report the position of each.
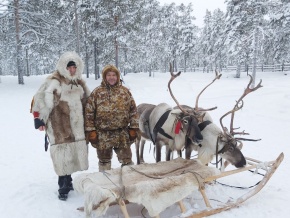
(111, 119)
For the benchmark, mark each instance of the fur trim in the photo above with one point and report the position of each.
(63, 61)
(85, 87)
(43, 99)
(112, 68)
(68, 158)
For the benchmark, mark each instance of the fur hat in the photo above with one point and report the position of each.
(67, 58)
(111, 68)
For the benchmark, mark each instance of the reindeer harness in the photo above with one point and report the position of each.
(158, 127)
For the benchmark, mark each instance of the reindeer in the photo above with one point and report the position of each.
(221, 142)
(144, 110)
(165, 126)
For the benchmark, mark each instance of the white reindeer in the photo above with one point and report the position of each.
(220, 141)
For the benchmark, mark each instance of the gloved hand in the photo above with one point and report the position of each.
(92, 137)
(38, 122)
(133, 133)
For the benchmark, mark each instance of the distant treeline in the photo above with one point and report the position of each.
(142, 35)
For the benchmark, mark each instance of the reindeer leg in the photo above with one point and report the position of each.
(168, 153)
(179, 153)
(188, 153)
(142, 150)
(158, 152)
(137, 146)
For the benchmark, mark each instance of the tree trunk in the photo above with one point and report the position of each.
(27, 63)
(18, 45)
(255, 44)
(184, 63)
(87, 55)
(149, 69)
(255, 56)
(96, 57)
(77, 26)
(125, 56)
(238, 73)
(116, 43)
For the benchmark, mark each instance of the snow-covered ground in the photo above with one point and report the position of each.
(29, 184)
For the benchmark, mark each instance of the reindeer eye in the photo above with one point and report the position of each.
(231, 149)
(185, 121)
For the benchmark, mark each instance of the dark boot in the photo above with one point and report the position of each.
(62, 197)
(63, 183)
(70, 185)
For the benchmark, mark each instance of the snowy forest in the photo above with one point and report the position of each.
(141, 36)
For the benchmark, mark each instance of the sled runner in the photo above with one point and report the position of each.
(159, 185)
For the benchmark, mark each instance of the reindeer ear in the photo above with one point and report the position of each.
(223, 138)
(200, 116)
(180, 115)
(188, 111)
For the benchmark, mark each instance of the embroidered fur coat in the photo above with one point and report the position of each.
(60, 103)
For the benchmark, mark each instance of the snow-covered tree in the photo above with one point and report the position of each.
(280, 26)
(243, 28)
(212, 39)
(187, 32)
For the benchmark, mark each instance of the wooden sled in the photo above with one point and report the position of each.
(252, 163)
(269, 167)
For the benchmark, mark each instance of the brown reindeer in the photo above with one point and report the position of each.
(144, 110)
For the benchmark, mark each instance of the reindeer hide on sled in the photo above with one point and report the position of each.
(155, 186)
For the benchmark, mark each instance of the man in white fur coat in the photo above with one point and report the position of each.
(58, 108)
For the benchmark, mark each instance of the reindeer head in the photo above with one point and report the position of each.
(196, 113)
(188, 121)
(231, 150)
(189, 124)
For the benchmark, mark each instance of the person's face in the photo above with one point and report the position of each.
(111, 78)
(72, 70)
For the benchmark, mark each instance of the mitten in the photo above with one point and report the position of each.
(92, 137)
(37, 122)
(133, 133)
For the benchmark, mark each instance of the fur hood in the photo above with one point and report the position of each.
(63, 61)
(110, 68)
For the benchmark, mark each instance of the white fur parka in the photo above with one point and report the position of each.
(60, 102)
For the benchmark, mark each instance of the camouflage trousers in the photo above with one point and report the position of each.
(117, 140)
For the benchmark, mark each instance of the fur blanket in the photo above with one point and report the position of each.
(156, 186)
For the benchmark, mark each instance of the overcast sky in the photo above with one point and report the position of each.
(199, 7)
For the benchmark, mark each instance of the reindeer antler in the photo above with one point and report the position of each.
(173, 76)
(236, 108)
(239, 105)
(218, 76)
(246, 92)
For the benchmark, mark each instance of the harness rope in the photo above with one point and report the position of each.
(200, 183)
(121, 189)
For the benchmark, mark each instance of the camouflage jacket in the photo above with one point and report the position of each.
(110, 108)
